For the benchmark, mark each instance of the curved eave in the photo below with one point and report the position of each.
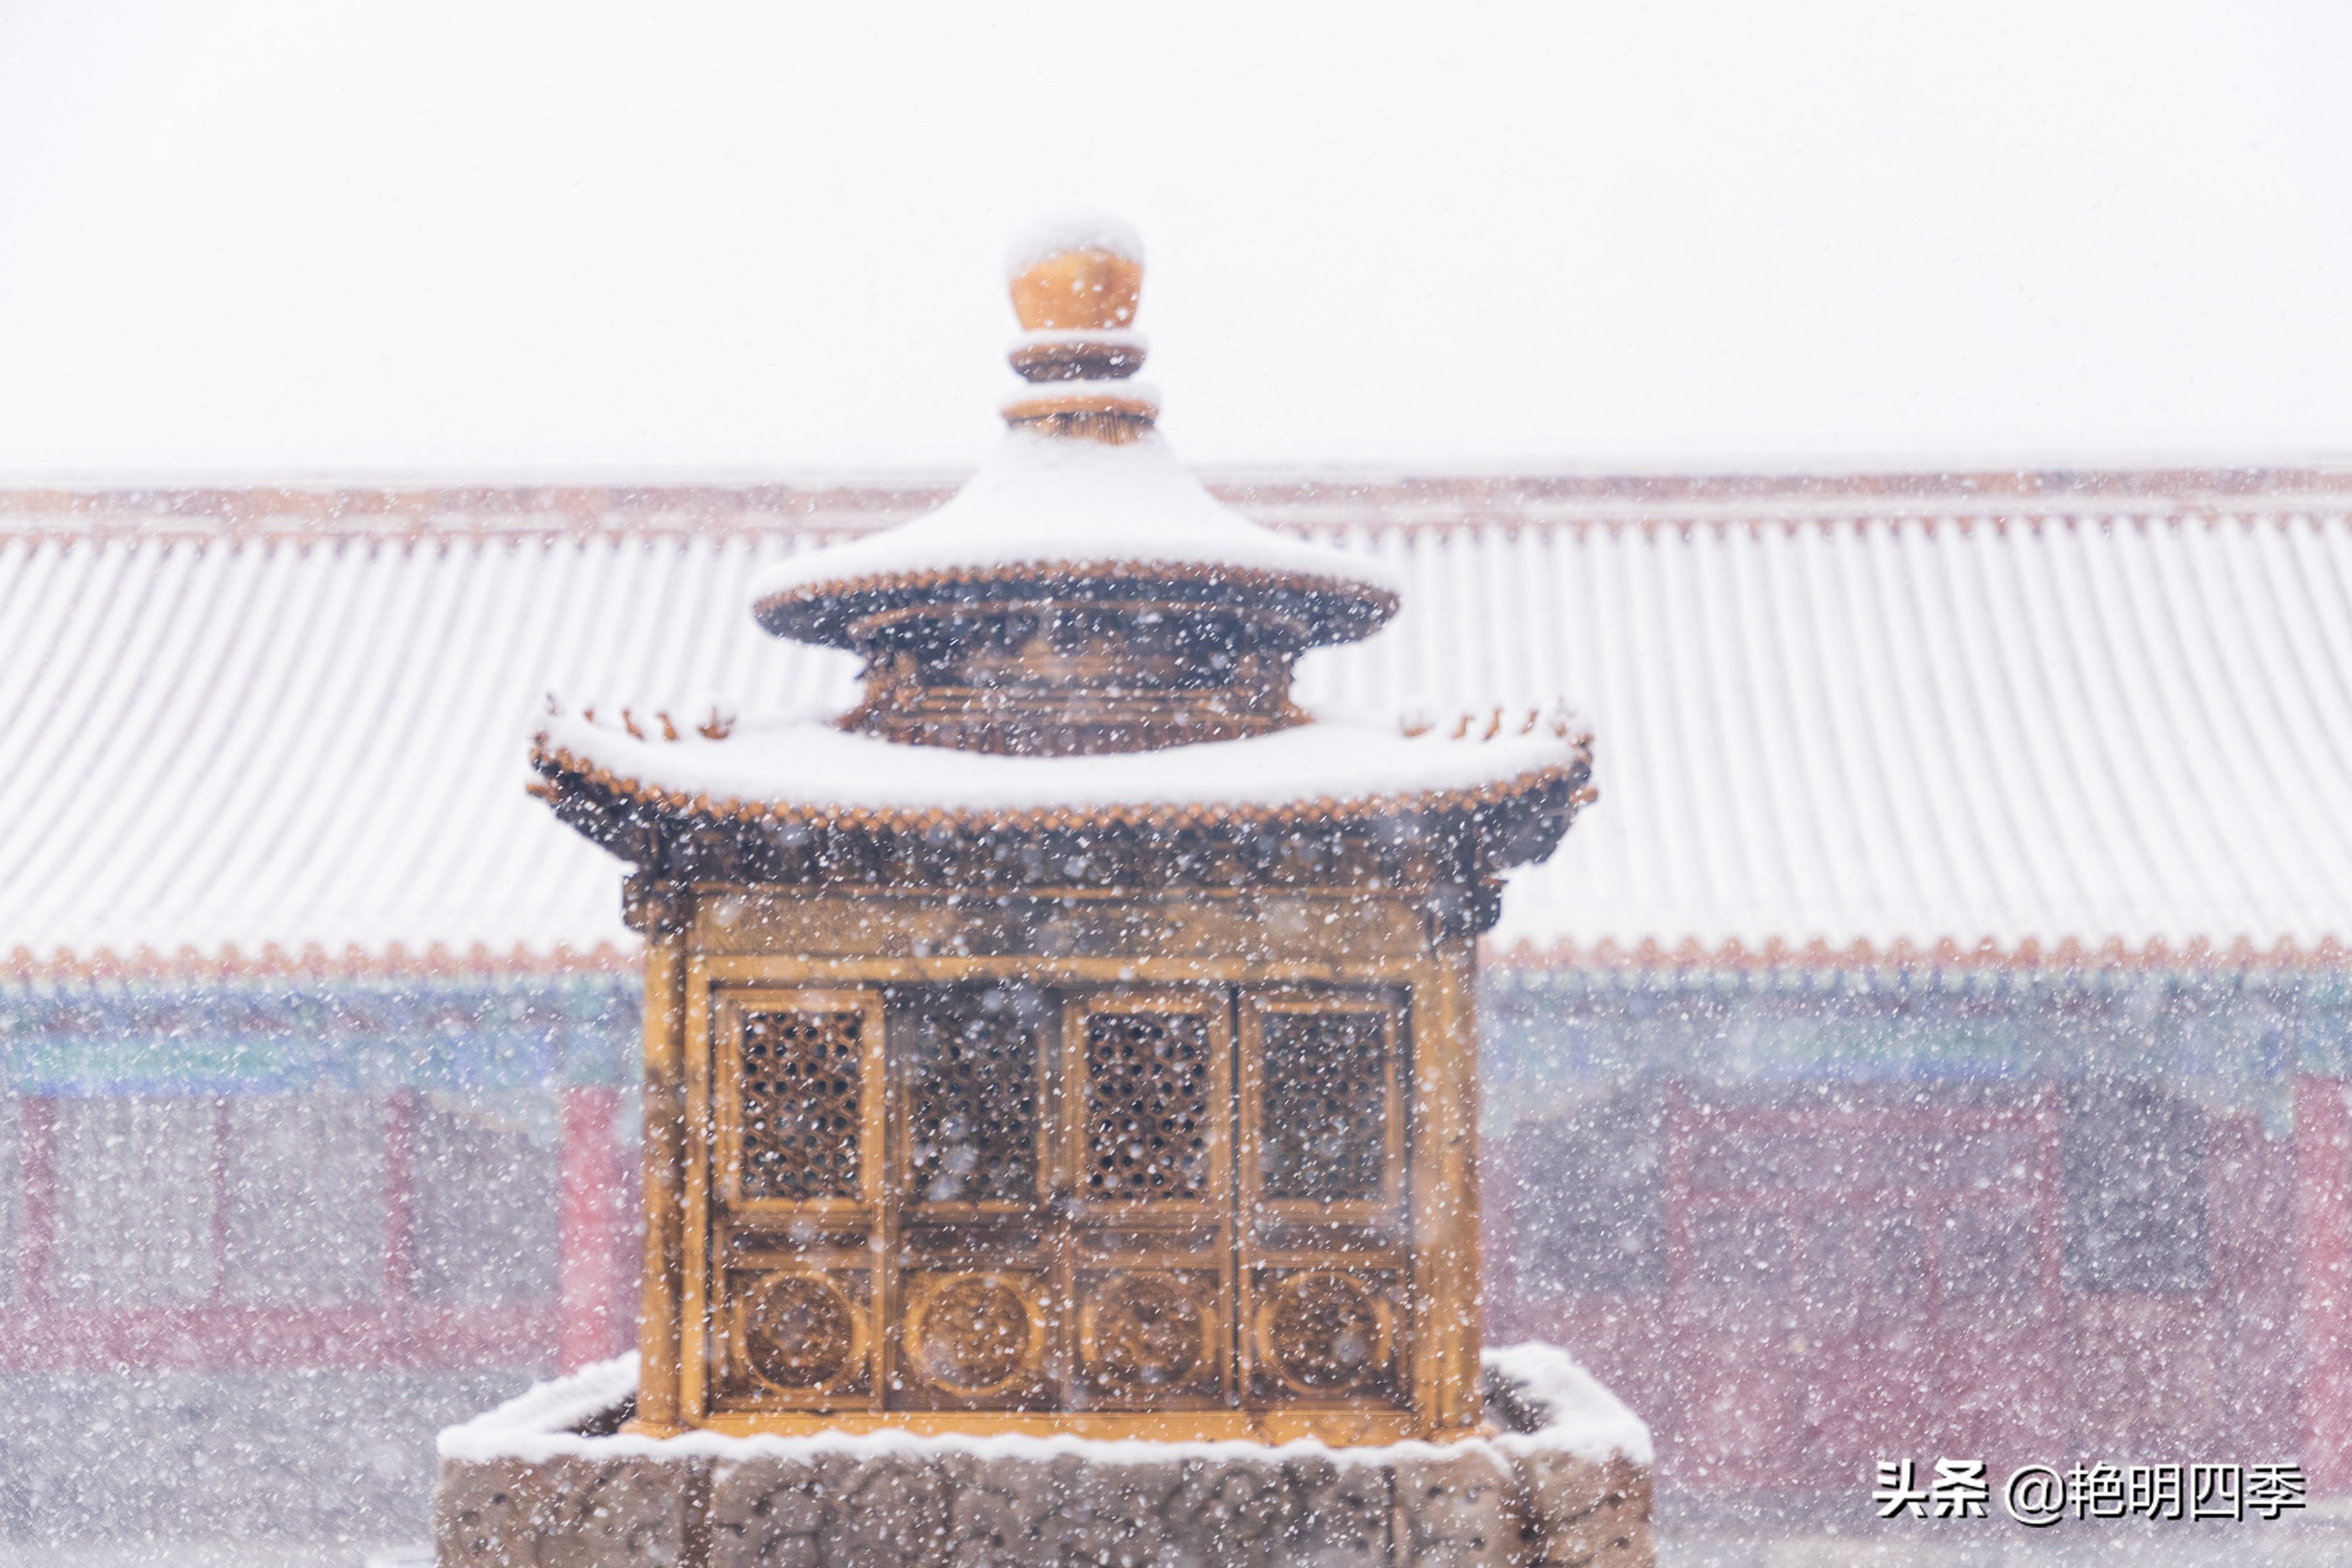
(1520, 818)
(1329, 609)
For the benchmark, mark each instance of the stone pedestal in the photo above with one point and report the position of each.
(548, 1481)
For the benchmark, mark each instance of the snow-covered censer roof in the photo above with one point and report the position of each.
(1081, 637)
(1130, 511)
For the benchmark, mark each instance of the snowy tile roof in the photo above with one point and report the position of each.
(1964, 709)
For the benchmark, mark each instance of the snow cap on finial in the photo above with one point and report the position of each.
(1076, 279)
(1075, 271)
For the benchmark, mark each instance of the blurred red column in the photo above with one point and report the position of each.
(36, 1238)
(2322, 1223)
(596, 1275)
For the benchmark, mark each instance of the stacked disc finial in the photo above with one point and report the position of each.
(1075, 280)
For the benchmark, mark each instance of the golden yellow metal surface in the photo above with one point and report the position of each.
(1199, 1187)
(1081, 290)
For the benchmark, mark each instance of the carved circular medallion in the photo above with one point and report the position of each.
(1143, 1331)
(799, 1331)
(974, 1333)
(1324, 1332)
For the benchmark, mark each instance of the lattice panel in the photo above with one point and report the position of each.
(1323, 1120)
(1148, 1106)
(971, 1095)
(802, 1077)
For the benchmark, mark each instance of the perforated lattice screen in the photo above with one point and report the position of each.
(1323, 1127)
(1147, 1106)
(801, 1080)
(971, 1093)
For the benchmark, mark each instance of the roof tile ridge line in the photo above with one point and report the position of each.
(1794, 631)
(1914, 856)
(2134, 692)
(2264, 546)
(329, 499)
(2333, 652)
(1829, 479)
(50, 620)
(1944, 721)
(204, 755)
(398, 701)
(2213, 774)
(54, 640)
(124, 625)
(229, 961)
(1966, 512)
(2067, 955)
(1771, 635)
(478, 602)
(1832, 480)
(748, 524)
(800, 518)
(2056, 600)
(1697, 615)
(2046, 862)
(2253, 713)
(2264, 642)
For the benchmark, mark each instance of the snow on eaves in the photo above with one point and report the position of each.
(806, 766)
(1041, 501)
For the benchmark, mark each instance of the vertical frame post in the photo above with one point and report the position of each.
(1446, 1379)
(665, 1180)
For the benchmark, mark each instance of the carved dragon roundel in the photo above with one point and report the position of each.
(799, 1331)
(1324, 1332)
(974, 1333)
(1142, 1332)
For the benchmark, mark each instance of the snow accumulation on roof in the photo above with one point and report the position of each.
(1580, 1415)
(806, 766)
(1991, 715)
(1043, 500)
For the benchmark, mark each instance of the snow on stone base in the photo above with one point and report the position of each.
(521, 1485)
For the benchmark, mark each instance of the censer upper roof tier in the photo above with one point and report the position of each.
(1083, 500)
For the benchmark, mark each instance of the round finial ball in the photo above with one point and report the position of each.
(1076, 272)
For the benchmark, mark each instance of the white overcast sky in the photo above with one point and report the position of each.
(240, 238)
